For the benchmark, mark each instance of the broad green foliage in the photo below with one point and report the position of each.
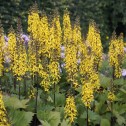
(18, 117)
(15, 103)
(21, 112)
(49, 118)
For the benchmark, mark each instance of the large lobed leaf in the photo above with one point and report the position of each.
(14, 102)
(20, 118)
(49, 118)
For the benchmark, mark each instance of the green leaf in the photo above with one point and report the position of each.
(119, 81)
(121, 120)
(100, 106)
(45, 123)
(123, 90)
(61, 110)
(20, 118)
(93, 116)
(121, 108)
(14, 102)
(65, 123)
(81, 121)
(105, 122)
(104, 81)
(53, 118)
(60, 99)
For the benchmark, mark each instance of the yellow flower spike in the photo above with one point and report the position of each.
(20, 65)
(71, 63)
(88, 72)
(86, 66)
(94, 40)
(34, 51)
(116, 54)
(76, 33)
(17, 55)
(20, 68)
(12, 46)
(87, 94)
(82, 51)
(50, 43)
(3, 116)
(94, 78)
(70, 109)
(67, 30)
(57, 36)
(45, 83)
(44, 35)
(32, 60)
(54, 72)
(33, 22)
(71, 41)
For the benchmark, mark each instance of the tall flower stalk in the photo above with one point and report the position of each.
(12, 52)
(116, 54)
(33, 52)
(94, 41)
(55, 36)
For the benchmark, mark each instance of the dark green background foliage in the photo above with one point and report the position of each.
(110, 15)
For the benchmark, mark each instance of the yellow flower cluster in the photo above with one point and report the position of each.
(1, 51)
(51, 43)
(57, 37)
(67, 30)
(71, 63)
(70, 109)
(32, 93)
(82, 50)
(44, 49)
(95, 80)
(111, 96)
(76, 33)
(88, 74)
(34, 28)
(116, 54)
(32, 60)
(94, 40)
(20, 66)
(12, 46)
(54, 72)
(86, 66)
(44, 36)
(17, 55)
(44, 74)
(3, 116)
(72, 40)
(45, 83)
(33, 23)
(87, 94)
